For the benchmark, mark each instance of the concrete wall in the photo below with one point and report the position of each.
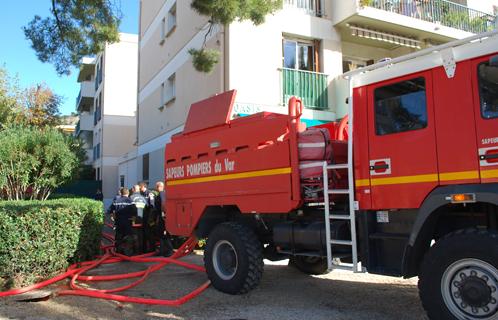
(148, 11)
(155, 53)
(483, 5)
(128, 169)
(109, 186)
(120, 77)
(118, 137)
(255, 53)
(116, 131)
(191, 86)
(156, 166)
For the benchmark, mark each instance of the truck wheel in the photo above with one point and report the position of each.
(459, 276)
(233, 258)
(309, 265)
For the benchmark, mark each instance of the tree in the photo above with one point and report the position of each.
(37, 105)
(41, 107)
(35, 161)
(77, 28)
(224, 12)
(10, 95)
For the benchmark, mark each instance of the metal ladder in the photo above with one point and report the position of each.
(355, 266)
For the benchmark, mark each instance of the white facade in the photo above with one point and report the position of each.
(112, 109)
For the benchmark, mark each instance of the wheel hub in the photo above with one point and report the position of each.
(225, 260)
(475, 292)
(469, 289)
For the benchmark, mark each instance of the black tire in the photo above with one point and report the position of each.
(451, 284)
(240, 243)
(309, 265)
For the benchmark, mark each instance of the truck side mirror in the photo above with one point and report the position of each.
(493, 61)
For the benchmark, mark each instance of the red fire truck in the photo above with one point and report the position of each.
(406, 185)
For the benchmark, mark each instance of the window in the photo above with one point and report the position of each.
(98, 72)
(488, 89)
(350, 64)
(400, 107)
(299, 55)
(168, 90)
(145, 167)
(168, 24)
(171, 20)
(97, 115)
(98, 174)
(96, 152)
(121, 181)
(163, 30)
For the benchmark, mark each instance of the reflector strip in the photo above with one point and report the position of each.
(403, 180)
(488, 174)
(232, 176)
(464, 175)
(362, 182)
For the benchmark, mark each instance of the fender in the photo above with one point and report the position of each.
(424, 225)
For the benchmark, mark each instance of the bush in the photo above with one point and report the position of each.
(35, 161)
(54, 196)
(39, 239)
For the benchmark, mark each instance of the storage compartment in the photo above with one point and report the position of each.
(308, 236)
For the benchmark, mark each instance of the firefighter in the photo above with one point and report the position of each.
(149, 220)
(141, 204)
(123, 211)
(165, 245)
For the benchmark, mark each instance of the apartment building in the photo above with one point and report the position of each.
(107, 109)
(300, 50)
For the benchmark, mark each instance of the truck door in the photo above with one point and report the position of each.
(402, 144)
(485, 84)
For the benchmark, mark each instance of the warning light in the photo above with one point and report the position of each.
(462, 198)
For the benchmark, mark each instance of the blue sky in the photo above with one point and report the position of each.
(19, 59)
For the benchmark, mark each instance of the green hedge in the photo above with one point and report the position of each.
(39, 239)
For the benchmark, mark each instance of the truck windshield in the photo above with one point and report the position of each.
(488, 90)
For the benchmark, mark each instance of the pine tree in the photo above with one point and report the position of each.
(224, 12)
(77, 28)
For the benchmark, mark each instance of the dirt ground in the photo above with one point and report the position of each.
(284, 293)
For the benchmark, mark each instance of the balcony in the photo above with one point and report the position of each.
(311, 7)
(426, 22)
(442, 12)
(311, 87)
(84, 101)
(85, 123)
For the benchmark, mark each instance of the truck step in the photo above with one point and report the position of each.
(338, 166)
(339, 191)
(342, 242)
(315, 254)
(340, 217)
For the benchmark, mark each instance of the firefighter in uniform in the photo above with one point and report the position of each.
(141, 204)
(123, 211)
(160, 233)
(149, 218)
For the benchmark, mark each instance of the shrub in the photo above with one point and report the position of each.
(35, 161)
(39, 239)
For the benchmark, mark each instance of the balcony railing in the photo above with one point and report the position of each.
(443, 12)
(311, 87)
(312, 7)
(78, 128)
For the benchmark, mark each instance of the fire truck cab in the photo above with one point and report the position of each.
(406, 185)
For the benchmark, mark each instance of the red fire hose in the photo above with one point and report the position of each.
(76, 273)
